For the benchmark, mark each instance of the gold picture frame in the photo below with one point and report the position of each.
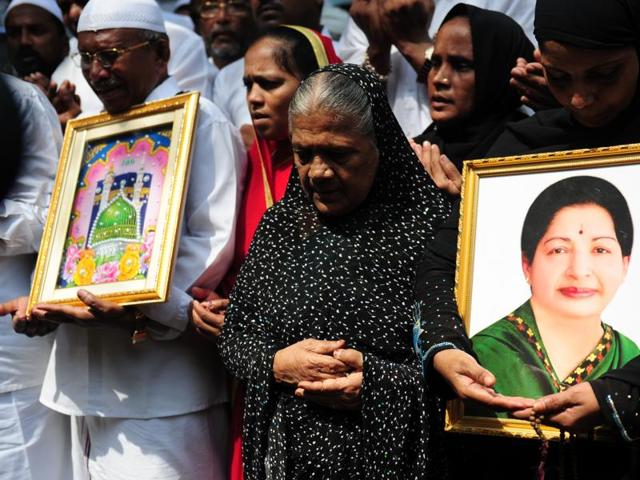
(116, 208)
(496, 195)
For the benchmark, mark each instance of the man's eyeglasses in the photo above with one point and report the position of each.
(233, 7)
(106, 58)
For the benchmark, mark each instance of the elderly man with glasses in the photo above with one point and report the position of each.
(188, 62)
(156, 409)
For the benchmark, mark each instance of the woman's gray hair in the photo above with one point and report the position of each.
(335, 93)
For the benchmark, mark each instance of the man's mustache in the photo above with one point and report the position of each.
(105, 84)
(27, 61)
(221, 31)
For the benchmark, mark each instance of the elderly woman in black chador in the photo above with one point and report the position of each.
(319, 325)
(590, 57)
(470, 98)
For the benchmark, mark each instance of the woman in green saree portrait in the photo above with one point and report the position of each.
(576, 244)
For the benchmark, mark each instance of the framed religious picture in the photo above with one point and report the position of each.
(114, 219)
(546, 282)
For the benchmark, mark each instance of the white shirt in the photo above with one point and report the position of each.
(214, 71)
(230, 94)
(188, 64)
(334, 20)
(98, 371)
(22, 213)
(183, 20)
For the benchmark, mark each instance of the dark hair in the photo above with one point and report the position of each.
(581, 190)
(293, 54)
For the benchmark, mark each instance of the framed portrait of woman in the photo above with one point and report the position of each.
(546, 281)
(115, 211)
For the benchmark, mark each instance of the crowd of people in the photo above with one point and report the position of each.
(312, 329)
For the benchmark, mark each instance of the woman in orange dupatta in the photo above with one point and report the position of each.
(275, 64)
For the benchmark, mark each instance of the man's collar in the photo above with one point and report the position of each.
(168, 88)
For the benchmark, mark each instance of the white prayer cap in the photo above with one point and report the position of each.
(49, 5)
(103, 15)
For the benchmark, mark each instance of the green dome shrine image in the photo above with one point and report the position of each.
(118, 222)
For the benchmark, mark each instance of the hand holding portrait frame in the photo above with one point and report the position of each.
(116, 208)
(495, 287)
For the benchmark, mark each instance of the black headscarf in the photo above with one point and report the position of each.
(497, 42)
(583, 24)
(350, 279)
(587, 23)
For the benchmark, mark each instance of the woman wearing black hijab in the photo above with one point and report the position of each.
(469, 95)
(590, 56)
(319, 325)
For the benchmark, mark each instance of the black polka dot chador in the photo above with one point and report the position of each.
(349, 278)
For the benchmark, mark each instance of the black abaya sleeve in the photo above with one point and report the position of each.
(618, 394)
(438, 323)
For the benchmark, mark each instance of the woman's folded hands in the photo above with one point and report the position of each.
(322, 371)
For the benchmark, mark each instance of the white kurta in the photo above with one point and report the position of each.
(188, 64)
(230, 94)
(98, 372)
(34, 441)
(22, 214)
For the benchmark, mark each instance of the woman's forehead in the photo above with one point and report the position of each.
(455, 36)
(322, 128)
(566, 57)
(584, 217)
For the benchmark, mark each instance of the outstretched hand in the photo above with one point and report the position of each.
(470, 381)
(97, 313)
(575, 409)
(17, 308)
